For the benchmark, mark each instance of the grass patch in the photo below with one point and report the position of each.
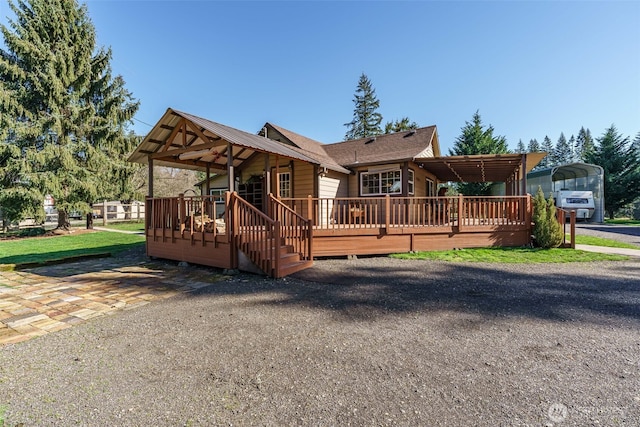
(599, 241)
(622, 221)
(3, 410)
(123, 226)
(41, 250)
(512, 255)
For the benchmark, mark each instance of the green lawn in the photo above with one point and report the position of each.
(124, 226)
(598, 241)
(622, 221)
(43, 249)
(512, 255)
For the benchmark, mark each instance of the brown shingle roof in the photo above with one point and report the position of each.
(400, 146)
(308, 147)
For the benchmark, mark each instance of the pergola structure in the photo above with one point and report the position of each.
(511, 169)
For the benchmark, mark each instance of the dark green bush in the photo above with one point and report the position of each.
(547, 231)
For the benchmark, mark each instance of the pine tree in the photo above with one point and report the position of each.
(547, 147)
(366, 120)
(401, 125)
(620, 160)
(572, 146)
(66, 113)
(584, 144)
(521, 148)
(534, 146)
(562, 153)
(477, 140)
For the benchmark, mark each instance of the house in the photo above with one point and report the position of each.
(291, 198)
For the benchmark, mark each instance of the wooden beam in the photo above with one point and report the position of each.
(202, 165)
(172, 135)
(177, 152)
(201, 134)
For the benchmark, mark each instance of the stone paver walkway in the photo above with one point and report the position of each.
(48, 299)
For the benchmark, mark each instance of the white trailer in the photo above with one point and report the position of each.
(579, 201)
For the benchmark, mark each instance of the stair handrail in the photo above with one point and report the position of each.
(250, 236)
(302, 242)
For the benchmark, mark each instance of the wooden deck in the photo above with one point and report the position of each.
(367, 226)
(227, 232)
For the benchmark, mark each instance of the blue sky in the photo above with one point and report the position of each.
(531, 68)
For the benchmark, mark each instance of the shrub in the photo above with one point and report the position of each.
(547, 231)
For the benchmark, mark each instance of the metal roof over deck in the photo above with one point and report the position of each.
(186, 141)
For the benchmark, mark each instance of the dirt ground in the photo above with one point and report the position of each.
(373, 341)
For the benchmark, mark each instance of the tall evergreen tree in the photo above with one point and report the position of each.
(547, 147)
(562, 153)
(584, 144)
(572, 146)
(475, 139)
(533, 146)
(366, 119)
(521, 148)
(65, 110)
(621, 163)
(401, 125)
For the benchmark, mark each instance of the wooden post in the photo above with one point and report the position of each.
(208, 184)
(275, 250)
(460, 211)
(277, 177)
(267, 184)
(573, 229)
(150, 162)
(387, 212)
(524, 174)
(104, 212)
(182, 212)
(230, 168)
(310, 211)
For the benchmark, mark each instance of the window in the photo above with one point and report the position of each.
(410, 182)
(285, 184)
(431, 188)
(389, 182)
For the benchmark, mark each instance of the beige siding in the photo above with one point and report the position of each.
(303, 179)
(219, 181)
(332, 185)
(253, 168)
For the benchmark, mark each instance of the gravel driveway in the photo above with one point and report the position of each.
(372, 341)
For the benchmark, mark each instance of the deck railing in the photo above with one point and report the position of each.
(378, 212)
(191, 215)
(295, 229)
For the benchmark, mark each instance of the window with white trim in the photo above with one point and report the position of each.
(285, 184)
(377, 183)
(410, 182)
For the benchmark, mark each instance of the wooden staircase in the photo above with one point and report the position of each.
(286, 261)
(277, 247)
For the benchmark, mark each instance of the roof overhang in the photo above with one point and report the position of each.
(482, 167)
(181, 140)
